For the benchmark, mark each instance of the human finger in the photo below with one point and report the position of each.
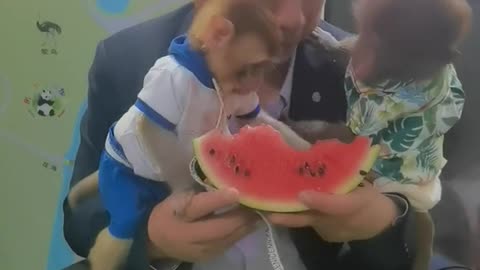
(226, 242)
(332, 204)
(210, 249)
(220, 226)
(205, 203)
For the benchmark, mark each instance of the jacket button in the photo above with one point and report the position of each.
(316, 97)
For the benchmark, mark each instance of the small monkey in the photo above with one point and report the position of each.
(211, 74)
(403, 92)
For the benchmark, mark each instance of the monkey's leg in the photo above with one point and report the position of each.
(424, 240)
(109, 253)
(126, 199)
(83, 189)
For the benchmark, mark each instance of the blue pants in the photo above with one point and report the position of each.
(128, 198)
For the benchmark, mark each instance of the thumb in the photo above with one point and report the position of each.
(205, 203)
(328, 203)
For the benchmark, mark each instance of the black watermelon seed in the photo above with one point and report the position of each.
(312, 174)
(307, 166)
(363, 173)
(212, 152)
(237, 169)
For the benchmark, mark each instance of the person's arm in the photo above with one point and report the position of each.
(394, 248)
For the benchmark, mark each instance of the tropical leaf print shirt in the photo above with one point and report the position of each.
(408, 120)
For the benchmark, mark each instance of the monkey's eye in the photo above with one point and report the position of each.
(242, 74)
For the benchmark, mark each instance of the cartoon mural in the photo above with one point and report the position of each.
(51, 31)
(45, 56)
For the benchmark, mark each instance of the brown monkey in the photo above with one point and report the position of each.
(211, 73)
(403, 91)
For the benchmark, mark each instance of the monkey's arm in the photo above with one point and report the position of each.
(290, 137)
(329, 42)
(168, 154)
(313, 131)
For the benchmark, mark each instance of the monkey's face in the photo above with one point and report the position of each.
(240, 65)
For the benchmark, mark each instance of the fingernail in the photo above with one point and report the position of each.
(231, 193)
(305, 196)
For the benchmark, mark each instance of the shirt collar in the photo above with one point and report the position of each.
(180, 48)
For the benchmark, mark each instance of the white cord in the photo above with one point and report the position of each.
(271, 244)
(272, 249)
(273, 254)
(222, 104)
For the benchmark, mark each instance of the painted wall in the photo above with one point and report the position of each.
(46, 46)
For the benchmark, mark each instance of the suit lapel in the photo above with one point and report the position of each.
(318, 92)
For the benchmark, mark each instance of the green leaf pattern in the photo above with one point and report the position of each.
(408, 120)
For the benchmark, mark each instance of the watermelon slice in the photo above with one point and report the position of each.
(269, 174)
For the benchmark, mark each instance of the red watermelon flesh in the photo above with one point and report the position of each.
(269, 174)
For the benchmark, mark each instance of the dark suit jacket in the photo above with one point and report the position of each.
(116, 77)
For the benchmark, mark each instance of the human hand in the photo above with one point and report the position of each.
(198, 234)
(359, 215)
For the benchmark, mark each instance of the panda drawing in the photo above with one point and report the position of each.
(45, 103)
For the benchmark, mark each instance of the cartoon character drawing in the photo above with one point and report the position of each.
(45, 103)
(51, 31)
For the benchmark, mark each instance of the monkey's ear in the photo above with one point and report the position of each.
(219, 32)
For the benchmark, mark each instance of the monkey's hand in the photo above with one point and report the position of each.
(329, 42)
(325, 38)
(291, 138)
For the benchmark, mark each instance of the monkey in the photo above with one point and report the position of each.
(400, 83)
(206, 79)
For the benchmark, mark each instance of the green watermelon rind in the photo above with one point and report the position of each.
(290, 206)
